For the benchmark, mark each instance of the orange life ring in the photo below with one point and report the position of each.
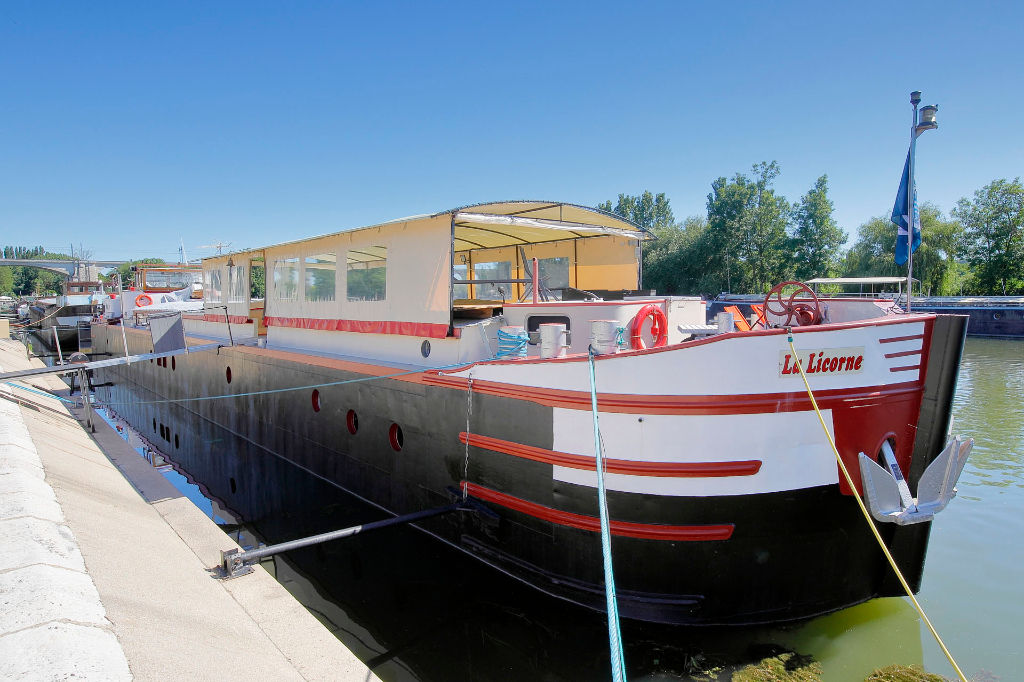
(659, 327)
(143, 300)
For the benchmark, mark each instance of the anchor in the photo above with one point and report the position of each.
(888, 496)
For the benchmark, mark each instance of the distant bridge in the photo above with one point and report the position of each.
(68, 267)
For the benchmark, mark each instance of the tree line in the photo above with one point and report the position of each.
(26, 280)
(752, 238)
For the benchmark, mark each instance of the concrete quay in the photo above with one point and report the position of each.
(105, 568)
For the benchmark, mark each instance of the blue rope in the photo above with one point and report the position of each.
(511, 345)
(48, 395)
(620, 337)
(614, 632)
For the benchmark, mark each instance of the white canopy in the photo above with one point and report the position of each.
(857, 280)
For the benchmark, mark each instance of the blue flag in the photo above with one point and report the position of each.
(902, 220)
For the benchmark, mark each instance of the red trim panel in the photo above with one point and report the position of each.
(904, 353)
(614, 466)
(644, 531)
(567, 304)
(894, 339)
(206, 317)
(751, 403)
(427, 329)
(906, 368)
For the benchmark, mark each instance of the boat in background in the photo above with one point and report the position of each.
(59, 317)
(157, 289)
(445, 356)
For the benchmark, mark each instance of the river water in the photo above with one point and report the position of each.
(416, 609)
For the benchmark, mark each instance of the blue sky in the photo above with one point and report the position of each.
(129, 126)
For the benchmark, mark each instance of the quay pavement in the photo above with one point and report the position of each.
(105, 568)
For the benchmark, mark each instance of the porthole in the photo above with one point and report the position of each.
(315, 397)
(162, 431)
(233, 488)
(173, 364)
(154, 423)
(227, 374)
(425, 348)
(396, 437)
(176, 443)
(352, 422)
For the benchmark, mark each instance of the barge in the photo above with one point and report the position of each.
(448, 355)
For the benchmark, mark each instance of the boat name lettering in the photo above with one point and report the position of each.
(823, 361)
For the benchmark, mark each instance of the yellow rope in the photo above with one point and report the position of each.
(867, 515)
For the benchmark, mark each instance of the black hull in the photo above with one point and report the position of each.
(792, 555)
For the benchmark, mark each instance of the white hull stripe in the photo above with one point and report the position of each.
(791, 446)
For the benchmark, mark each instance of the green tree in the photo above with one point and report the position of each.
(746, 232)
(647, 210)
(675, 262)
(6, 281)
(936, 263)
(28, 280)
(257, 279)
(993, 224)
(817, 239)
(872, 254)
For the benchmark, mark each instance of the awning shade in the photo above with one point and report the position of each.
(491, 230)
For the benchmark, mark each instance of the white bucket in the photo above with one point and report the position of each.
(553, 340)
(604, 336)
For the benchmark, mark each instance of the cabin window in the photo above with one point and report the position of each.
(460, 290)
(167, 279)
(211, 285)
(286, 279)
(554, 272)
(367, 273)
(501, 270)
(320, 277)
(533, 322)
(238, 284)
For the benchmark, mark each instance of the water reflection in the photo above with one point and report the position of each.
(414, 608)
(990, 406)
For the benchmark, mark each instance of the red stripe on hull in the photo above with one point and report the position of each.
(235, 319)
(614, 466)
(905, 368)
(644, 531)
(904, 354)
(746, 403)
(425, 329)
(894, 339)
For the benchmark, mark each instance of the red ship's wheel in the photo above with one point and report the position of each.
(803, 312)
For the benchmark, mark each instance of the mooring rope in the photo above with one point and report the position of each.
(32, 322)
(38, 392)
(511, 345)
(614, 632)
(867, 514)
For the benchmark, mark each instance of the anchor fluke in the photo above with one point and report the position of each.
(888, 496)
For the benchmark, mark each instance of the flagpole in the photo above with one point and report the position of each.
(915, 99)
